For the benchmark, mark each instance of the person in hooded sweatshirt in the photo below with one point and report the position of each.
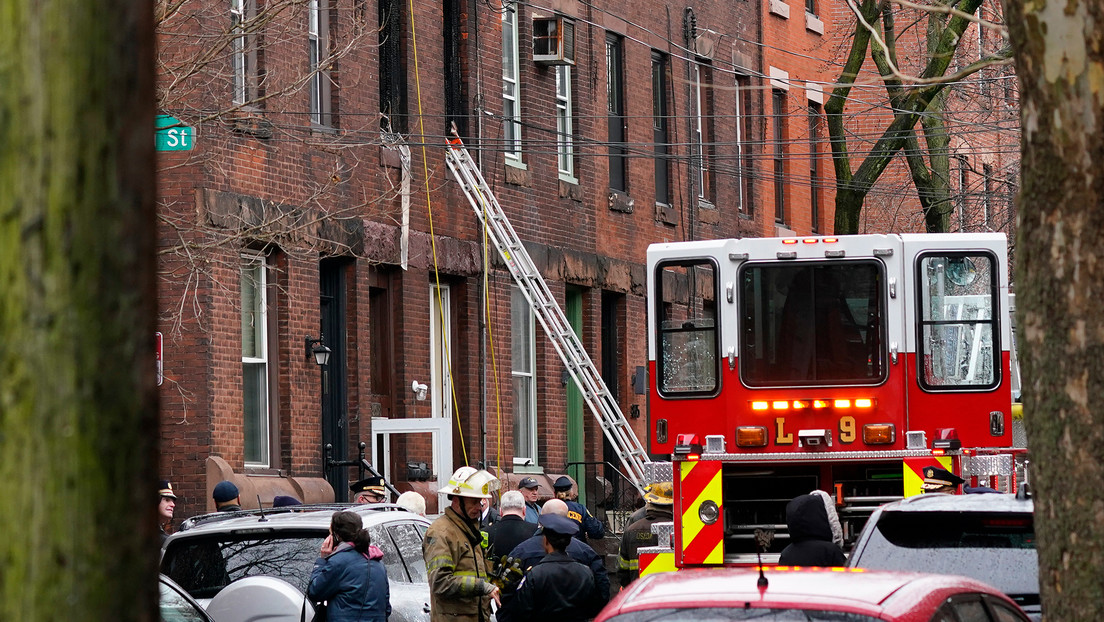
(810, 535)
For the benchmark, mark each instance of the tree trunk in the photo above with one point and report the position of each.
(1059, 51)
(78, 402)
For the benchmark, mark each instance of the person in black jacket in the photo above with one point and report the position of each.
(558, 589)
(810, 535)
(511, 528)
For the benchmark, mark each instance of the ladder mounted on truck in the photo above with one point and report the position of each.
(595, 392)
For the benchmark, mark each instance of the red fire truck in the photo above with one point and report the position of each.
(783, 365)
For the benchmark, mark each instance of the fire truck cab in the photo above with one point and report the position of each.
(780, 366)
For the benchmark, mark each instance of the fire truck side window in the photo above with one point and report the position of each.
(812, 323)
(957, 322)
(686, 305)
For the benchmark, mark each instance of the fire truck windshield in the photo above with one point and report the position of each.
(812, 323)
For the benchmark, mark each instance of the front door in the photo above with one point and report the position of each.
(335, 426)
(576, 449)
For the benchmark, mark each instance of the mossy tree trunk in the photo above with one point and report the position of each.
(78, 404)
(1059, 52)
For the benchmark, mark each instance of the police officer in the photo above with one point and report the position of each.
(940, 481)
(165, 508)
(369, 490)
(559, 588)
(657, 509)
(588, 525)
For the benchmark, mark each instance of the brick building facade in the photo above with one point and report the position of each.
(299, 215)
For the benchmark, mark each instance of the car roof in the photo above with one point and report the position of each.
(840, 589)
(961, 503)
(292, 517)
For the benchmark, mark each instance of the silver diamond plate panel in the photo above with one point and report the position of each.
(665, 532)
(655, 549)
(987, 465)
(1019, 433)
(657, 472)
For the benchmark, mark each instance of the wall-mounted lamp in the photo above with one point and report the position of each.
(318, 350)
(419, 390)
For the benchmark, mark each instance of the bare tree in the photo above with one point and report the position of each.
(912, 99)
(78, 404)
(1059, 52)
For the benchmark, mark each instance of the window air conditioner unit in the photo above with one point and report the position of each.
(554, 40)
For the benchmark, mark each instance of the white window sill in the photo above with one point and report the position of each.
(515, 162)
(780, 8)
(814, 24)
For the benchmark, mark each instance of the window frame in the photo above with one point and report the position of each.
(440, 350)
(743, 152)
(663, 309)
(660, 128)
(617, 126)
(702, 71)
(565, 141)
(238, 56)
(317, 51)
(525, 432)
(261, 456)
(814, 165)
(993, 321)
(511, 85)
(778, 117)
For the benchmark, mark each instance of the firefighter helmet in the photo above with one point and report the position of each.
(660, 493)
(470, 482)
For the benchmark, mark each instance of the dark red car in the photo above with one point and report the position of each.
(814, 594)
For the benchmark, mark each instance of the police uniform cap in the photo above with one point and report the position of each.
(280, 501)
(166, 489)
(368, 484)
(559, 524)
(935, 477)
(563, 482)
(225, 491)
(528, 482)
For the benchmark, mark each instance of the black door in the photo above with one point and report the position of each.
(335, 424)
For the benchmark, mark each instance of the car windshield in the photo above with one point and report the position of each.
(708, 614)
(997, 548)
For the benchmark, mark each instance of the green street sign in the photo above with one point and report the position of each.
(172, 135)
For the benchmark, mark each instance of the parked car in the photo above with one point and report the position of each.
(178, 606)
(212, 551)
(989, 537)
(808, 594)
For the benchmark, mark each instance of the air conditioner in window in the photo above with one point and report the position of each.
(554, 40)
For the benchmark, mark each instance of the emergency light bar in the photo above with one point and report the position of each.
(838, 403)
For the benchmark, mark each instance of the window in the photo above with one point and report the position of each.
(778, 101)
(615, 112)
(811, 7)
(523, 375)
(688, 362)
(317, 51)
(959, 341)
(659, 128)
(238, 51)
(511, 100)
(392, 80)
(702, 80)
(743, 151)
(961, 169)
(440, 350)
(254, 327)
(812, 324)
(565, 156)
(814, 165)
(987, 194)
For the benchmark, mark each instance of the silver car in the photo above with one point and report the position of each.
(213, 551)
(988, 537)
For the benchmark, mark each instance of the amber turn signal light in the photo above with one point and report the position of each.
(751, 436)
(879, 434)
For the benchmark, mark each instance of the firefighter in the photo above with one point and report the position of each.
(588, 525)
(657, 509)
(460, 590)
(940, 481)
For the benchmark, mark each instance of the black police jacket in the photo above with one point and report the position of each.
(558, 589)
(531, 552)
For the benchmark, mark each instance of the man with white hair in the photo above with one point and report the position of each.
(511, 528)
